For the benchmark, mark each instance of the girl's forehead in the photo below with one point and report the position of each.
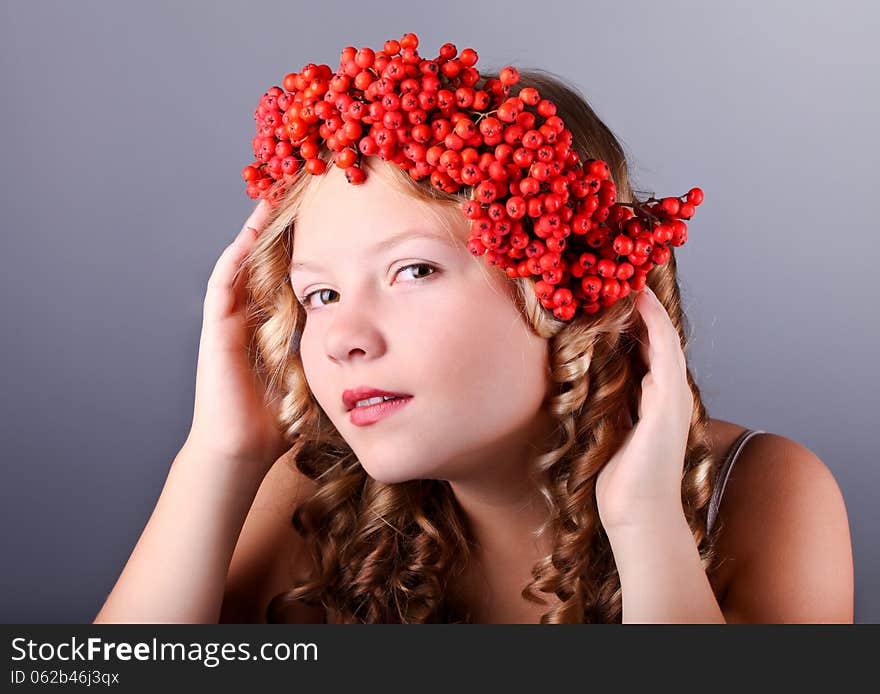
(303, 258)
(366, 221)
(386, 190)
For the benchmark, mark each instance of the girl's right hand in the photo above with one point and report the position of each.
(232, 418)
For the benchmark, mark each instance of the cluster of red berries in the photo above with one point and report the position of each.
(536, 210)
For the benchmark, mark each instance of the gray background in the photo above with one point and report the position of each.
(124, 130)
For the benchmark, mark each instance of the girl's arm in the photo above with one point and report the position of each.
(784, 529)
(177, 571)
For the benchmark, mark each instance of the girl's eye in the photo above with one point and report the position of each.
(307, 304)
(305, 300)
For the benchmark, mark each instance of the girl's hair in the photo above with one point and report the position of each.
(386, 553)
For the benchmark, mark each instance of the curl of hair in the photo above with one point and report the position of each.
(388, 553)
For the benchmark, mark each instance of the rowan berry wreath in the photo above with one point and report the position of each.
(584, 248)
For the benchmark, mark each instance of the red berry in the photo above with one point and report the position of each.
(464, 97)
(562, 297)
(465, 128)
(610, 287)
(606, 268)
(345, 158)
(315, 166)
(340, 83)
(623, 245)
(529, 186)
(289, 165)
(670, 206)
(363, 80)
(509, 75)
(546, 108)
(695, 196)
(516, 207)
(506, 113)
(468, 57)
(308, 150)
(544, 290)
(482, 99)
(587, 261)
(530, 96)
(451, 68)
(355, 175)
(289, 81)
(625, 271)
(556, 244)
(565, 313)
(530, 189)
(448, 51)
(485, 192)
(660, 254)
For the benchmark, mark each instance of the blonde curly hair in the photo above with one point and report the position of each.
(387, 553)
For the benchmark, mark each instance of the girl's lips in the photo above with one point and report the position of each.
(363, 416)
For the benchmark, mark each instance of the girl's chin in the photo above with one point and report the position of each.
(382, 473)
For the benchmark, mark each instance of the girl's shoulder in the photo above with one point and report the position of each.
(724, 434)
(783, 538)
(784, 547)
(269, 552)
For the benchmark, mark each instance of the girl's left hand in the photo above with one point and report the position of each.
(642, 481)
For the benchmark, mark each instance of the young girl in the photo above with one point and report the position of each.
(526, 469)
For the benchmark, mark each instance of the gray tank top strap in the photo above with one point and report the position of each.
(724, 473)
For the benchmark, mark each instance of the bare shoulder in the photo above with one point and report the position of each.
(269, 552)
(723, 435)
(783, 537)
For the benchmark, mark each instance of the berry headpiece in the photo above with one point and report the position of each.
(536, 209)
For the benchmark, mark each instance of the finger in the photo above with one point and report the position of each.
(223, 274)
(258, 217)
(222, 284)
(250, 231)
(662, 353)
(251, 228)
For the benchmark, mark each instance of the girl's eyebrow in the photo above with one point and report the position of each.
(384, 244)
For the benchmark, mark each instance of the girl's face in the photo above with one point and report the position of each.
(395, 303)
